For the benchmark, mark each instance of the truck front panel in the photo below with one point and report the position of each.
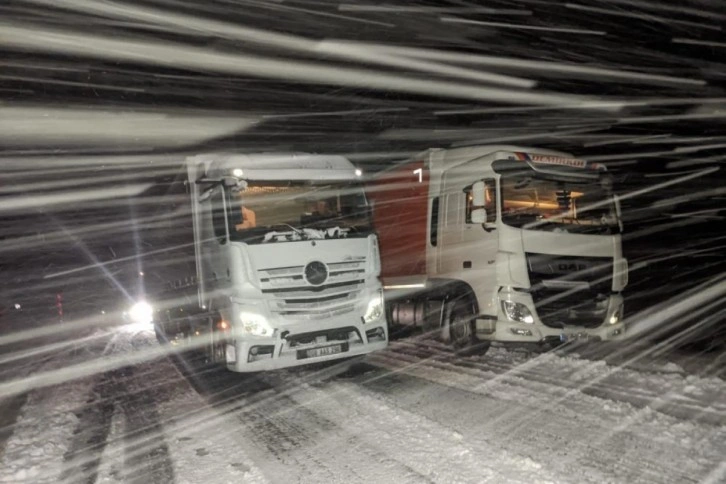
(300, 302)
(557, 285)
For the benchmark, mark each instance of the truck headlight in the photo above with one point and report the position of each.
(517, 312)
(141, 313)
(255, 324)
(374, 311)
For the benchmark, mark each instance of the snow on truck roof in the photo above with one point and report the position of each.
(277, 166)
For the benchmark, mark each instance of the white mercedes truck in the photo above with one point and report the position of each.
(501, 243)
(287, 264)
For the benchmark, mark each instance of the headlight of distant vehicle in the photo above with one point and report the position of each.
(517, 312)
(374, 311)
(255, 324)
(141, 313)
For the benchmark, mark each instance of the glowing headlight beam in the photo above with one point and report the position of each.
(141, 313)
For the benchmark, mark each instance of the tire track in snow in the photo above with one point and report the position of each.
(286, 439)
(52, 407)
(307, 442)
(668, 403)
(434, 451)
(23, 362)
(526, 374)
(146, 454)
(522, 429)
(9, 413)
(91, 433)
(527, 415)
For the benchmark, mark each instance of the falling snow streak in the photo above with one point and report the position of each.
(101, 102)
(171, 55)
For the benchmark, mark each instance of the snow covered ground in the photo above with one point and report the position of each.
(413, 413)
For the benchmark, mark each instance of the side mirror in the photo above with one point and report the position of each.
(479, 216)
(240, 187)
(235, 184)
(478, 195)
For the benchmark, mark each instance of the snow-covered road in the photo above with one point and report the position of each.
(413, 413)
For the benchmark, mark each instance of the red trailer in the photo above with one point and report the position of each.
(400, 215)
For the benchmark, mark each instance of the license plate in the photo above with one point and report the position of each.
(324, 351)
(565, 337)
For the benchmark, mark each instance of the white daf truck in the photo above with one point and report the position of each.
(287, 264)
(501, 243)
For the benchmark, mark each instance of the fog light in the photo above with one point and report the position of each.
(617, 315)
(521, 332)
(257, 352)
(375, 334)
(517, 312)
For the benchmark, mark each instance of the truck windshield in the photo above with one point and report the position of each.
(291, 211)
(551, 205)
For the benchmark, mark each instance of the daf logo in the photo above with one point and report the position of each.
(316, 273)
(571, 267)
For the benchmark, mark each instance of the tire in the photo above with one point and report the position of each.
(462, 329)
(461, 324)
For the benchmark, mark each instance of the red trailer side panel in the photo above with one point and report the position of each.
(400, 210)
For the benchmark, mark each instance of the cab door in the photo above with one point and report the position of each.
(212, 241)
(468, 249)
(449, 248)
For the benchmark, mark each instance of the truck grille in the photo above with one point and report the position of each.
(558, 309)
(570, 291)
(294, 297)
(347, 334)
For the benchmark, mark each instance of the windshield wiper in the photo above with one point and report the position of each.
(295, 229)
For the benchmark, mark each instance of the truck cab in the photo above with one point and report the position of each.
(287, 263)
(520, 245)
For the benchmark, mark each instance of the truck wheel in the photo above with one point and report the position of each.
(461, 324)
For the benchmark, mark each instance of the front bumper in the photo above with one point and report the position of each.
(506, 330)
(337, 338)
